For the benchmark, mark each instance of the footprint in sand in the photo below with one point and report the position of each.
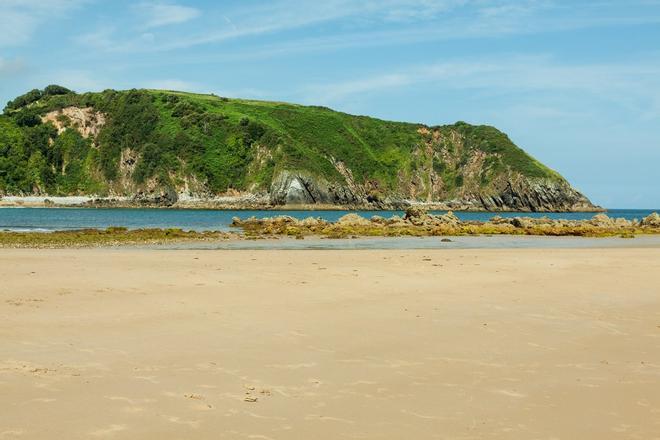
(26, 301)
(110, 430)
(252, 394)
(179, 421)
(12, 433)
(203, 406)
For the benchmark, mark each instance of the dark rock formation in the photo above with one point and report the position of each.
(303, 189)
(161, 197)
(523, 194)
(535, 195)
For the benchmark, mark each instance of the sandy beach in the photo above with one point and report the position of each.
(300, 344)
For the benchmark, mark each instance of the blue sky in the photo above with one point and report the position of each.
(574, 83)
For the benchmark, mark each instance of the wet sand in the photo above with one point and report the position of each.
(372, 344)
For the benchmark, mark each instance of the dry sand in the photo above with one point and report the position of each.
(452, 344)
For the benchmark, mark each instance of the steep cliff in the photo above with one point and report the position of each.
(150, 147)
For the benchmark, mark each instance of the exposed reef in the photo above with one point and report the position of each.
(418, 222)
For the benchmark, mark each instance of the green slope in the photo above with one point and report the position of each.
(224, 144)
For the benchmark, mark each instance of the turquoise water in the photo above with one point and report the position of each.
(51, 219)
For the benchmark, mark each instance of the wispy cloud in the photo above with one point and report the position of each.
(104, 39)
(635, 86)
(20, 18)
(288, 15)
(157, 14)
(377, 23)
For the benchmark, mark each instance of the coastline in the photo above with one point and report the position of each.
(242, 202)
(446, 243)
(415, 223)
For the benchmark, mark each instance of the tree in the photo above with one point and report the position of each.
(32, 96)
(54, 89)
(27, 118)
(36, 168)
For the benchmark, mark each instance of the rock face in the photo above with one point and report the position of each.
(540, 195)
(299, 188)
(535, 195)
(86, 121)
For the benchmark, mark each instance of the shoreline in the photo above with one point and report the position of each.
(160, 239)
(241, 203)
(448, 243)
(415, 223)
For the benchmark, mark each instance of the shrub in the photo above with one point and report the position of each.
(54, 89)
(32, 96)
(27, 118)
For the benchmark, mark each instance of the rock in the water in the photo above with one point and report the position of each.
(353, 220)
(447, 219)
(415, 212)
(522, 222)
(602, 220)
(651, 221)
(311, 222)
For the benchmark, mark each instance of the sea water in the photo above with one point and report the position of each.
(53, 219)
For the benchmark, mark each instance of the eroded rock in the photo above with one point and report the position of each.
(652, 220)
(353, 220)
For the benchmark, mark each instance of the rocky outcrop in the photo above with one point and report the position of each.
(540, 195)
(160, 197)
(86, 121)
(353, 220)
(299, 188)
(420, 217)
(417, 222)
(521, 194)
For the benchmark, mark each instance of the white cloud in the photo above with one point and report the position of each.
(156, 14)
(286, 15)
(19, 19)
(275, 17)
(103, 39)
(634, 86)
(383, 22)
(379, 23)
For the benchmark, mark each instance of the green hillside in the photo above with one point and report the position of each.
(167, 139)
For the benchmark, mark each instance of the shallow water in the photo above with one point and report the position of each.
(402, 243)
(51, 219)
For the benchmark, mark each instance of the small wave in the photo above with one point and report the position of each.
(24, 229)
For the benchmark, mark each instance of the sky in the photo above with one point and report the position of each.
(575, 83)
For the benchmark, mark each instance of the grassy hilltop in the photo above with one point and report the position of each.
(57, 142)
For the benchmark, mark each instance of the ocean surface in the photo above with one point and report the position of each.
(53, 219)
